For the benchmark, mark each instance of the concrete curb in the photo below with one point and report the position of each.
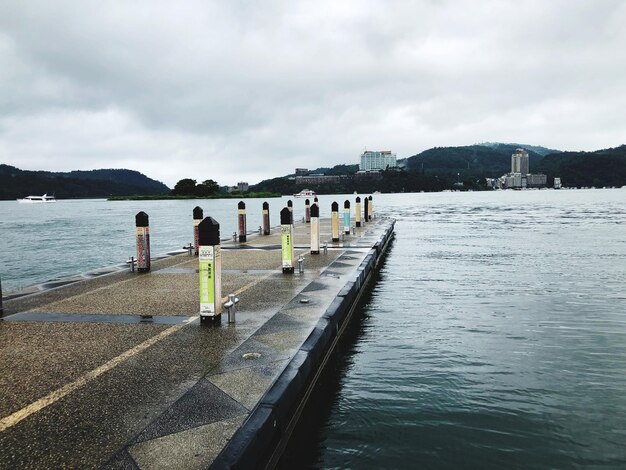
(259, 442)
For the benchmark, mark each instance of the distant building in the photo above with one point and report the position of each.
(369, 174)
(377, 160)
(302, 171)
(519, 178)
(242, 187)
(317, 179)
(520, 162)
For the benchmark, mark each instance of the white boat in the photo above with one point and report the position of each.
(37, 199)
(305, 193)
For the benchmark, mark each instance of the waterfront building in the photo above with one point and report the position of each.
(317, 179)
(520, 177)
(371, 160)
(242, 187)
(520, 162)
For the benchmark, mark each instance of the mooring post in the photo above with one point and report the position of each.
(1, 308)
(307, 211)
(142, 227)
(346, 217)
(198, 215)
(290, 207)
(266, 218)
(366, 209)
(210, 270)
(371, 209)
(241, 211)
(357, 212)
(315, 229)
(334, 221)
(286, 238)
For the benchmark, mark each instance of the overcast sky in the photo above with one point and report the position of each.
(243, 90)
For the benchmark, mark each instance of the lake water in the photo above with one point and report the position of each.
(495, 336)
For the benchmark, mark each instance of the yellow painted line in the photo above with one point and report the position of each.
(13, 419)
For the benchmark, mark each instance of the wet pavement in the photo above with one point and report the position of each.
(116, 370)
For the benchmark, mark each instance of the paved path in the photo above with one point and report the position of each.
(117, 371)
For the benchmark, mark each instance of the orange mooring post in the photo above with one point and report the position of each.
(370, 209)
(357, 212)
(197, 218)
(334, 221)
(142, 235)
(307, 211)
(315, 229)
(266, 218)
(241, 215)
(210, 270)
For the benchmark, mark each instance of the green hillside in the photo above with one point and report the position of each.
(16, 183)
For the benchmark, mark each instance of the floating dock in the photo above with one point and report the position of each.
(115, 370)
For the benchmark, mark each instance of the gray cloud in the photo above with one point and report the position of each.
(236, 91)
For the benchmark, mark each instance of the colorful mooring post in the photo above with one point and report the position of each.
(315, 229)
(266, 218)
(142, 236)
(334, 221)
(198, 215)
(357, 212)
(286, 240)
(241, 215)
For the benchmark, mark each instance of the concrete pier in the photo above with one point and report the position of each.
(115, 370)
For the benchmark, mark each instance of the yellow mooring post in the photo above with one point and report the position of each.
(266, 218)
(198, 215)
(315, 229)
(357, 212)
(370, 214)
(334, 221)
(286, 239)
(142, 235)
(210, 270)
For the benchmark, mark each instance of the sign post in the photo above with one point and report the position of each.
(142, 235)
(286, 239)
(210, 270)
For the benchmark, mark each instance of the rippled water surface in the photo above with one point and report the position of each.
(495, 337)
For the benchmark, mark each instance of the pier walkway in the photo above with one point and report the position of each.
(116, 371)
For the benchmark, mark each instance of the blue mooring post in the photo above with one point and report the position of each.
(357, 212)
(142, 228)
(241, 211)
(210, 270)
(346, 217)
(266, 218)
(307, 211)
(198, 215)
(334, 221)
(286, 240)
(315, 229)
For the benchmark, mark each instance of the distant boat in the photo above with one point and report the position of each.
(305, 193)
(37, 199)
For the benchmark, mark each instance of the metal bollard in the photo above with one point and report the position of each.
(235, 237)
(231, 306)
(131, 262)
(300, 264)
(353, 230)
(260, 230)
(189, 249)
(325, 246)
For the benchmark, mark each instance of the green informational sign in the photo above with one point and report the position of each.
(206, 269)
(287, 245)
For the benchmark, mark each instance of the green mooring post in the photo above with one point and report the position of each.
(266, 218)
(241, 214)
(210, 270)
(286, 240)
(334, 221)
(142, 235)
(315, 229)
(198, 215)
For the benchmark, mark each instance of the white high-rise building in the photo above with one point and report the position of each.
(377, 160)
(520, 162)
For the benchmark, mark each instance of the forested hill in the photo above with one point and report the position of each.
(16, 183)
(605, 167)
